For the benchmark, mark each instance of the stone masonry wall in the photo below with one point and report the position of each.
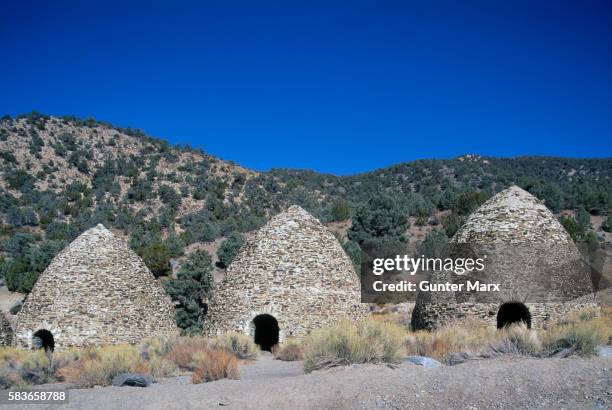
(6, 332)
(527, 251)
(96, 291)
(295, 270)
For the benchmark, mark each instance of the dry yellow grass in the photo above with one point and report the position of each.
(461, 336)
(289, 351)
(214, 364)
(97, 366)
(579, 333)
(184, 351)
(240, 344)
(366, 341)
(369, 341)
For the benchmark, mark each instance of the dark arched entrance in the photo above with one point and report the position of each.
(43, 339)
(266, 331)
(513, 312)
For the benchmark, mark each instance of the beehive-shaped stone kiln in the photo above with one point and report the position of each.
(290, 278)
(96, 291)
(541, 273)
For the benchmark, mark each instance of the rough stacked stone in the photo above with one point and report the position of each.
(6, 332)
(96, 291)
(527, 251)
(294, 269)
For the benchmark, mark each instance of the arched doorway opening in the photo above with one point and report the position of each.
(43, 339)
(513, 312)
(266, 331)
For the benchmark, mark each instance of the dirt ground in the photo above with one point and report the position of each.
(509, 383)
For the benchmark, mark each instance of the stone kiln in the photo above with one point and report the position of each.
(292, 277)
(96, 291)
(542, 274)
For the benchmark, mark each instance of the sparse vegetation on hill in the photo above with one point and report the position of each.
(229, 248)
(61, 176)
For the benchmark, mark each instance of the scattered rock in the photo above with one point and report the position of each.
(132, 379)
(16, 307)
(563, 352)
(458, 358)
(604, 351)
(426, 362)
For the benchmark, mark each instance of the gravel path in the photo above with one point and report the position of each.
(511, 383)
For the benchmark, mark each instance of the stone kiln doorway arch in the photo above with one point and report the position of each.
(43, 339)
(266, 331)
(513, 312)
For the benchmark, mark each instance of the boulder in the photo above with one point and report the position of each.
(426, 362)
(132, 379)
(604, 351)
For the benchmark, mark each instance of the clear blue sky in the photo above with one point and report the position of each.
(337, 87)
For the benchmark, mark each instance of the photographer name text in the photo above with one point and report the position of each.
(426, 286)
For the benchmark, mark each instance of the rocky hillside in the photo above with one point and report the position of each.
(61, 176)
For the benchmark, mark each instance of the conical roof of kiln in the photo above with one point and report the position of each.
(512, 216)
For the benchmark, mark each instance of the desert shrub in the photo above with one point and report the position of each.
(157, 258)
(577, 338)
(289, 351)
(99, 365)
(517, 339)
(18, 217)
(461, 336)
(10, 367)
(381, 217)
(580, 333)
(192, 285)
(421, 221)
(10, 377)
(367, 341)
(241, 345)
(157, 346)
(36, 368)
(434, 244)
(468, 201)
(340, 211)
(229, 249)
(214, 364)
(582, 315)
(451, 223)
(168, 196)
(607, 224)
(185, 350)
(20, 180)
(525, 339)
(154, 352)
(8, 354)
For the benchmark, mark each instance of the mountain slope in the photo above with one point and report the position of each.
(60, 176)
